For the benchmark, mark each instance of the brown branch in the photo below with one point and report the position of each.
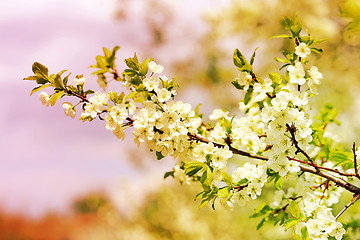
(355, 161)
(234, 150)
(320, 167)
(292, 131)
(353, 200)
(306, 167)
(83, 98)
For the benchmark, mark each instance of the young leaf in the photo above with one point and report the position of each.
(253, 56)
(236, 84)
(240, 61)
(248, 95)
(227, 178)
(191, 168)
(224, 192)
(144, 66)
(282, 36)
(31, 78)
(40, 70)
(159, 156)
(38, 88)
(295, 30)
(317, 50)
(56, 97)
(168, 174)
(305, 234)
(290, 222)
(287, 22)
(133, 63)
(207, 177)
(295, 209)
(261, 210)
(281, 60)
(58, 82)
(261, 223)
(278, 182)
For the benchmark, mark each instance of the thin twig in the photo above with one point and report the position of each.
(355, 162)
(83, 98)
(353, 200)
(320, 167)
(292, 131)
(310, 169)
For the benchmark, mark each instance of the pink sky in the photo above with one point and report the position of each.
(47, 158)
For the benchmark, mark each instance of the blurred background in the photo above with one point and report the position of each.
(64, 179)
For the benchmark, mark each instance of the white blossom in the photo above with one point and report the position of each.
(297, 73)
(79, 81)
(69, 109)
(44, 98)
(302, 50)
(155, 68)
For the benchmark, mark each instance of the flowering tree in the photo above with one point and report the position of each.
(275, 133)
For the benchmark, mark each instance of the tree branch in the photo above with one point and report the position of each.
(310, 169)
(355, 162)
(353, 200)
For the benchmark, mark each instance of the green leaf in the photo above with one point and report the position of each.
(338, 156)
(281, 60)
(191, 168)
(32, 78)
(101, 62)
(38, 88)
(278, 182)
(111, 59)
(253, 56)
(275, 77)
(41, 74)
(61, 72)
(242, 181)
(58, 83)
(168, 174)
(290, 223)
(89, 92)
(204, 202)
(295, 30)
(224, 192)
(56, 97)
(65, 80)
(159, 156)
(144, 66)
(131, 95)
(305, 234)
(295, 209)
(207, 177)
(133, 63)
(40, 70)
(227, 178)
(261, 210)
(317, 50)
(304, 39)
(201, 195)
(130, 72)
(107, 52)
(261, 223)
(197, 110)
(236, 84)
(287, 22)
(225, 123)
(282, 36)
(240, 61)
(248, 95)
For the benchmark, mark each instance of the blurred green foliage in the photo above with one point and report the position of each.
(170, 213)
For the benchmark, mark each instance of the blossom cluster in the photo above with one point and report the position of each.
(274, 129)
